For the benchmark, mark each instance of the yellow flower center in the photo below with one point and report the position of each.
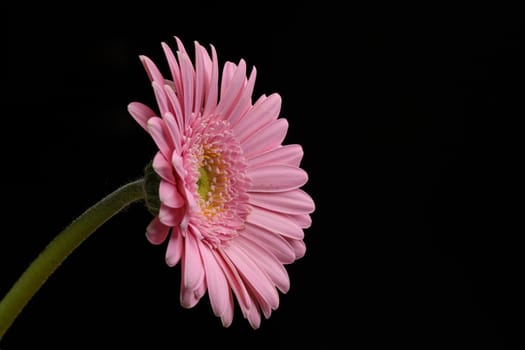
(213, 184)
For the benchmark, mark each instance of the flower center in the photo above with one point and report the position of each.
(214, 184)
(217, 177)
(203, 184)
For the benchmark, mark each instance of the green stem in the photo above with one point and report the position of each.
(60, 247)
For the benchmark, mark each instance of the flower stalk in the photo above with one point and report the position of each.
(60, 248)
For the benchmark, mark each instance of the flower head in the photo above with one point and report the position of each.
(231, 206)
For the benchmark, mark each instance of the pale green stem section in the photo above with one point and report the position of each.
(61, 246)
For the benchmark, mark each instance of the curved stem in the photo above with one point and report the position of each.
(60, 247)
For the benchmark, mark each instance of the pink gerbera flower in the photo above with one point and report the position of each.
(230, 197)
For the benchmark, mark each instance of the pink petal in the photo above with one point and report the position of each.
(275, 222)
(259, 304)
(174, 67)
(173, 130)
(180, 45)
(158, 132)
(228, 71)
(152, 70)
(266, 139)
(276, 178)
(174, 103)
(207, 64)
(184, 223)
(187, 298)
(211, 96)
(242, 107)
(265, 307)
(253, 275)
(187, 87)
(245, 100)
(288, 155)
(160, 96)
(163, 168)
(190, 297)
(169, 195)
(294, 202)
(276, 244)
(178, 165)
(141, 113)
(230, 96)
(193, 268)
(175, 247)
(257, 117)
(267, 262)
(299, 247)
(303, 220)
(170, 216)
(260, 100)
(200, 77)
(156, 232)
(234, 280)
(227, 316)
(218, 289)
(254, 318)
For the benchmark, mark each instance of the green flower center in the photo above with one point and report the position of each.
(203, 183)
(213, 184)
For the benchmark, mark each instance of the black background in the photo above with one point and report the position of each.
(408, 118)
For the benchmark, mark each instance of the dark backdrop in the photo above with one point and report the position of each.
(407, 118)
